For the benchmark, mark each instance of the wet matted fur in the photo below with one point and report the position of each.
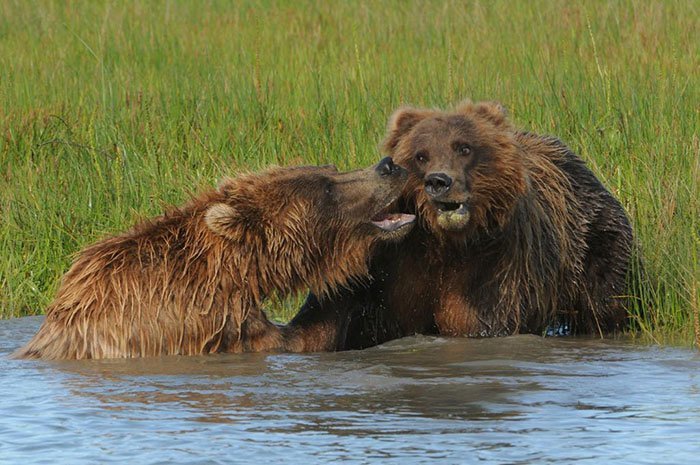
(523, 237)
(193, 280)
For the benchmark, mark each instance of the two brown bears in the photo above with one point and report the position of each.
(515, 234)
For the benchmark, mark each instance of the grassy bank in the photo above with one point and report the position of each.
(109, 110)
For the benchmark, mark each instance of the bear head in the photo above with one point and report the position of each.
(466, 167)
(315, 224)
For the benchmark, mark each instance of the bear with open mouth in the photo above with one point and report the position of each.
(193, 281)
(515, 235)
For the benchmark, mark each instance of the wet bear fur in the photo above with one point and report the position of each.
(193, 281)
(537, 243)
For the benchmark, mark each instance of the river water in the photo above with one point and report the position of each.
(521, 399)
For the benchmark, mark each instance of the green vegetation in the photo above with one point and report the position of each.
(110, 110)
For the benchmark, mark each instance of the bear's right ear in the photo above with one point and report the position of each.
(488, 110)
(224, 220)
(400, 123)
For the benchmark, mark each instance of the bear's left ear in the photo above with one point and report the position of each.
(490, 111)
(400, 123)
(224, 220)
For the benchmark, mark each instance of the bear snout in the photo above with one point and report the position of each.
(387, 167)
(437, 184)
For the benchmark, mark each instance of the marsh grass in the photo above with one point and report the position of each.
(111, 110)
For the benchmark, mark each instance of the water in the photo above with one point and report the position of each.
(520, 399)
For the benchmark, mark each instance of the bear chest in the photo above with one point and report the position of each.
(428, 296)
(453, 310)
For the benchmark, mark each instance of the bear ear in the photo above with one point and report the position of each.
(225, 220)
(400, 123)
(490, 111)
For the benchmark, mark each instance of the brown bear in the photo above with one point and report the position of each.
(193, 280)
(515, 234)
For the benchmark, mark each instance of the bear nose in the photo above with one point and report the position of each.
(437, 184)
(387, 167)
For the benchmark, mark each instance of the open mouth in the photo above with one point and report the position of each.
(450, 206)
(452, 215)
(388, 219)
(393, 221)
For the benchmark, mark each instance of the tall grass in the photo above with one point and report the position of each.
(109, 110)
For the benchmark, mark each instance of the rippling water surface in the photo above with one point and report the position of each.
(520, 399)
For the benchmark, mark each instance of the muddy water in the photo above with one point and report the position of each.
(511, 400)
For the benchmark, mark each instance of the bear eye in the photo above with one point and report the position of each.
(328, 188)
(463, 149)
(422, 156)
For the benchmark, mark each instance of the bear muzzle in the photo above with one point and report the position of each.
(452, 214)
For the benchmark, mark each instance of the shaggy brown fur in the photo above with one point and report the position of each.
(193, 281)
(516, 234)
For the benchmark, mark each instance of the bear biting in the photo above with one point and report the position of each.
(193, 280)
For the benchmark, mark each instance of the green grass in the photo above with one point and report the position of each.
(109, 110)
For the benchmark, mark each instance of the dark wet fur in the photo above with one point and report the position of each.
(558, 254)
